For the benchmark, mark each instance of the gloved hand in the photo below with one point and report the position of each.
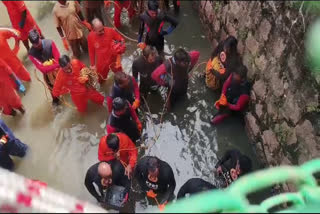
(162, 206)
(65, 43)
(142, 45)
(221, 102)
(136, 104)
(19, 84)
(22, 89)
(151, 194)
(139, 126)
(118, 62)
(87, 25)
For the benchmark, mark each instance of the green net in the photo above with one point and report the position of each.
(234, 198)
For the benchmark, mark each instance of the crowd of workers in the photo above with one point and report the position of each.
(118, 154)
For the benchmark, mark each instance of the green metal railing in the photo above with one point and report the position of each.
(234, 198)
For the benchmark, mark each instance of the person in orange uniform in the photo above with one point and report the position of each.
(118, 146)
(70, 80)
(9, 56)
(9, 99)
(21, 19)
(118, 7)
(105, 46)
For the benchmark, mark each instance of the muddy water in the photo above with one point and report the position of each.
(64, 144)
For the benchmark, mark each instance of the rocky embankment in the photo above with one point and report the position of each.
(283, 117)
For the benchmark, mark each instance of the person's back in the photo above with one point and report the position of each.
(194, 185)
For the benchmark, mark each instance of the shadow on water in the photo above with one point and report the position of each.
(63, 144)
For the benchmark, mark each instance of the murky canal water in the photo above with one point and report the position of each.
(64, 144)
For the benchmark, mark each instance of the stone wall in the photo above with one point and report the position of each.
(284, 110)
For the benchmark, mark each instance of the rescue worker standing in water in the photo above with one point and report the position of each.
(105, 46)
(174, 74)
(10, 56)
(154, 20)
(232, 165)
(144, 65)
(126, 87)
(235, 95)
(70, 81)
(21, 20)
(156, 178)
(124, 119)
(45, 55)
(70, 24)
(118, 146)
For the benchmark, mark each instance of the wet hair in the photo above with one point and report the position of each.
(230, 45)
(34, 36)
(148, 50)
(152, 164)
(119, 76)
(181, 55)
(113, 142)
(118, 103)
(153, 5)
(64, 60)
(242, 71)
(245, 164)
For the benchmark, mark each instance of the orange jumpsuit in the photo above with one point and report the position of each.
(80, 94)
(15, 8)
(9, 56)
(9, 98)
(127, 149)
(101, 52)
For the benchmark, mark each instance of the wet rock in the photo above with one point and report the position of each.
(272, 110)
(270, 141)
(259, 110)
(251, 126)
(287, 134)
(223, 35)
(252, 44)
(261, 62)
(231, 30)
(290, 109)
(264, 30)
(260, 89)
(240, 47)
(307, 138)
(209, 11)
(216, 27)
(285, 161)
(293, 68)
(278, 47)
(276, 82)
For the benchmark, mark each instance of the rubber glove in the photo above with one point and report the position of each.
(151, 194)
(87, 25)
(136, 104)
(22, 89)
(139, 126)
(142, 45)
(65, 43)
(20, 86)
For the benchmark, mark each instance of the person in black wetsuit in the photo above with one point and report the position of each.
(154, 20)
(144, 65)
(194, 185)
(233, 165)
(106, 175)
(156, 177)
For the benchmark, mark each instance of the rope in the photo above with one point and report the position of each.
(64, 102)
(114, 27)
